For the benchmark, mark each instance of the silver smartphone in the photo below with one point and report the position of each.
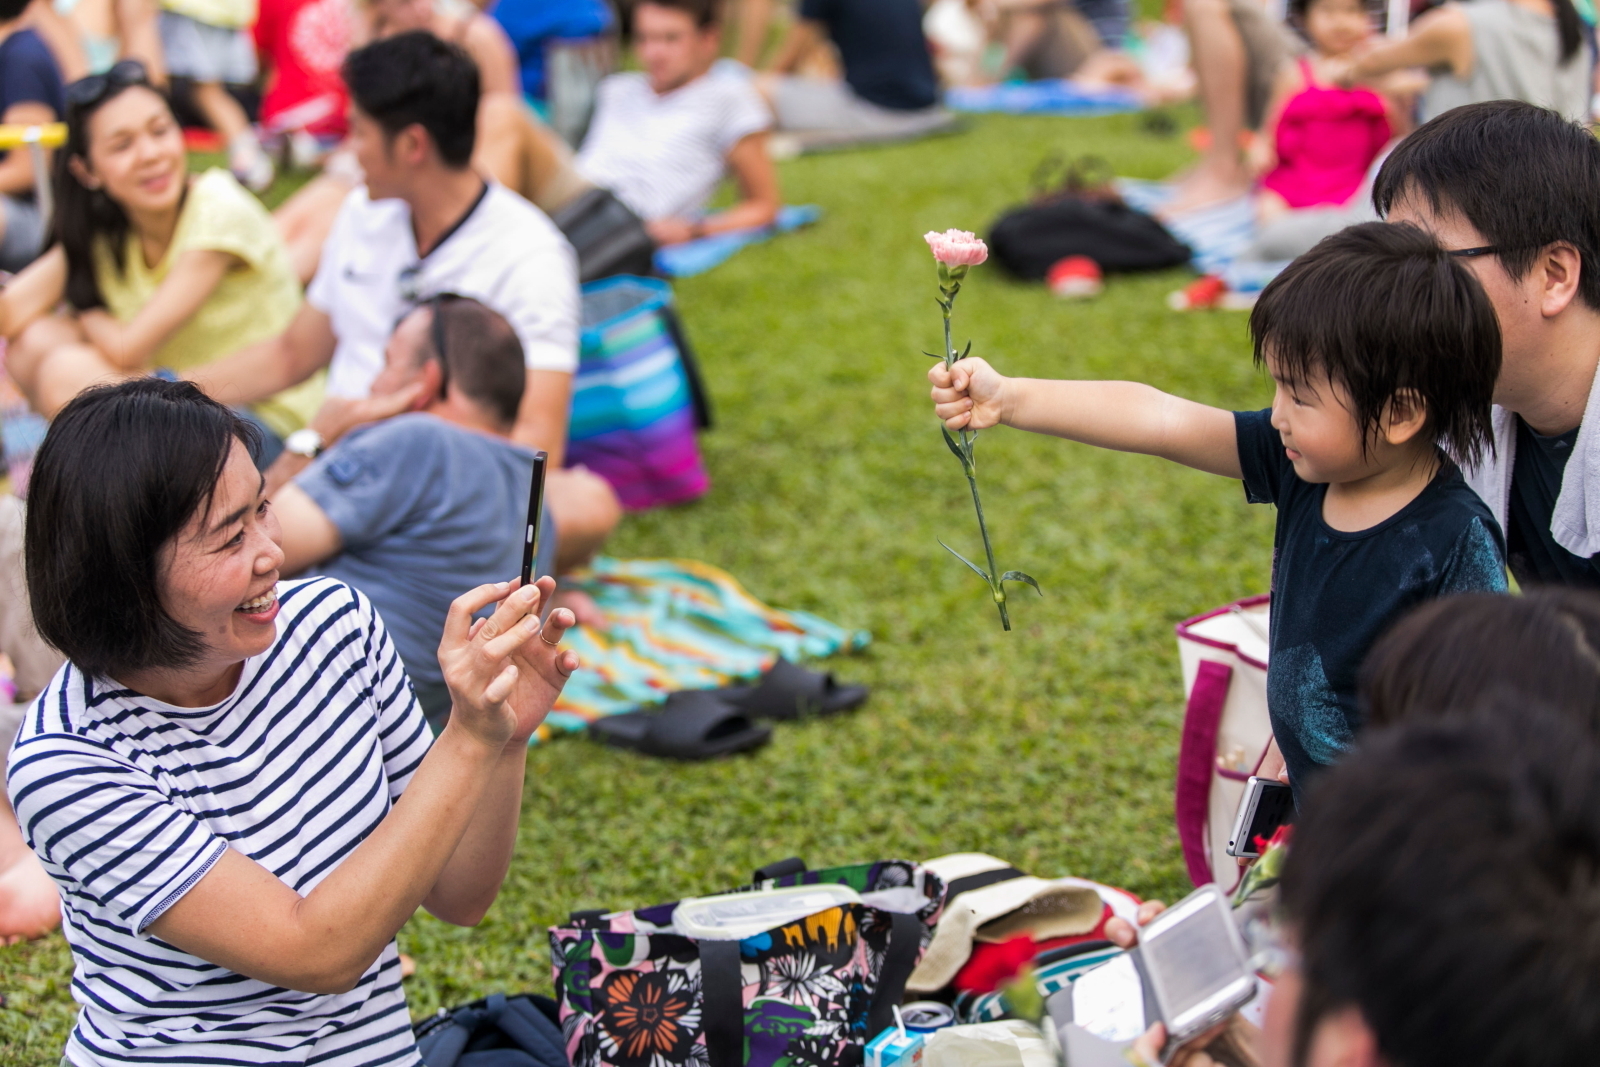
(1190, 972)
(1266, 805)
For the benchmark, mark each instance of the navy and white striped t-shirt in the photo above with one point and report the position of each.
(129, 801)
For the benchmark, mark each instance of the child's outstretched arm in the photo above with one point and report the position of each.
(1125, 416)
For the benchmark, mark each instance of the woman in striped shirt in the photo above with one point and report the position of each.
(230, 779)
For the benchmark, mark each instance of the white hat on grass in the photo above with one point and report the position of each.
(987, 899)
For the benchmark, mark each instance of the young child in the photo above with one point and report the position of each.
(1321, 137)
(1384, 351)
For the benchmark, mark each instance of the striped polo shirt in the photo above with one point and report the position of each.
(129, 801)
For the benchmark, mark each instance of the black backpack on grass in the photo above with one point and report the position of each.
(497, 1031)
(1081, 216)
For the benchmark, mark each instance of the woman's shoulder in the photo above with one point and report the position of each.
(218, 206)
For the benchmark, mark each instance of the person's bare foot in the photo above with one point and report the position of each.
(1205, 186)
(29, 904)
(581, 605)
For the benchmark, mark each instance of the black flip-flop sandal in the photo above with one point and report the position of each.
(694, 724)
(790, 692)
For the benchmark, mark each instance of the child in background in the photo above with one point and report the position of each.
(1384, 351)
(1321, 138)
(207, 41)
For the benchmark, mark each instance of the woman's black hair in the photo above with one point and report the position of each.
(121, 472)
(1380, 308)
(1451, 655)
(84, 216)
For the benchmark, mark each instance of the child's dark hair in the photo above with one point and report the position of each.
(1380, 309)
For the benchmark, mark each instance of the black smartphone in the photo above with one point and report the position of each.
(530, 536)
(1267, 804)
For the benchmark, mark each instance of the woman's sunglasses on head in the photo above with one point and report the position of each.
(87, 92)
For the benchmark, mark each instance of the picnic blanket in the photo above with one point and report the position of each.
(1049, 97)
(699, 256)
(677, 624)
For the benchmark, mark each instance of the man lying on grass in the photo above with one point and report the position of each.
(1385, 351)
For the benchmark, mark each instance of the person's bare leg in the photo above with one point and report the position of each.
(1221, 71)
(755, 20)
(51, 362)
(525, 155)
(141, 39)
(305, 219)
(246, 158)
(586, 510)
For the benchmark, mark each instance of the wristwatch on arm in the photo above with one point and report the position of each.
(304, 442)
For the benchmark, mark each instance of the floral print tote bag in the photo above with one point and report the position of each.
(633, 992)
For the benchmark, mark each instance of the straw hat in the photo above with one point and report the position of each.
(987, 899)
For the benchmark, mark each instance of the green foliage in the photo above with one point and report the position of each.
(1052, 746)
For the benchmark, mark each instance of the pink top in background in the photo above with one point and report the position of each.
(1326, 140)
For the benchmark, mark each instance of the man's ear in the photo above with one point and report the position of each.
(432, 379)
(1404, 417)
(412, 144)
(1343, 1039)
(77, 168)
(1558, 266)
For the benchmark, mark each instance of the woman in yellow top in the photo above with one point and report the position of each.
(160, 271)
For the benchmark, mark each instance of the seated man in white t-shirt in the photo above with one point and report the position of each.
(662, 139)
(426, 223)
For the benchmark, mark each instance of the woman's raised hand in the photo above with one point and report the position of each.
(504, 672)
(968, 395)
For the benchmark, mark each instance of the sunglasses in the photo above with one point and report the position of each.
(87, 92)
(1474, 253)
(437, 304)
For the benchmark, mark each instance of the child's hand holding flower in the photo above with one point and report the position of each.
(970, 395)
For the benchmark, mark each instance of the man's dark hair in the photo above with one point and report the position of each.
(417, 79)
(1524, 177)
(1454, 654)
(482, 357)
(706, 13)
(121, 472)
(1380, 309)
(1444, 880)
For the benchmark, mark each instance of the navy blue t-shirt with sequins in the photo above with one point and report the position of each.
(1334, 593)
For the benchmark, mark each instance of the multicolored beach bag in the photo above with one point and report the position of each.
(634, 406)
(635, 993)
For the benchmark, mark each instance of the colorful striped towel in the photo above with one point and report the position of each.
(633, 420)
(677, 624)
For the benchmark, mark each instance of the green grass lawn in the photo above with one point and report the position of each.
(1052, 746)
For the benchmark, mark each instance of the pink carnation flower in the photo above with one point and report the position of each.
(957, 248)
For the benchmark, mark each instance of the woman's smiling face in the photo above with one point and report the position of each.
(219, 575)
(135, 152)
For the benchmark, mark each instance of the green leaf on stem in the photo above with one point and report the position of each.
(966, 352)
(975, 568)
(951, 441)
(933, 355)
(1018, 576)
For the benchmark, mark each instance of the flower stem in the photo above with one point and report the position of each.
(970, 467)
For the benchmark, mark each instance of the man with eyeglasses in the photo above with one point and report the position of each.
(1513, 191)
(427, 223)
